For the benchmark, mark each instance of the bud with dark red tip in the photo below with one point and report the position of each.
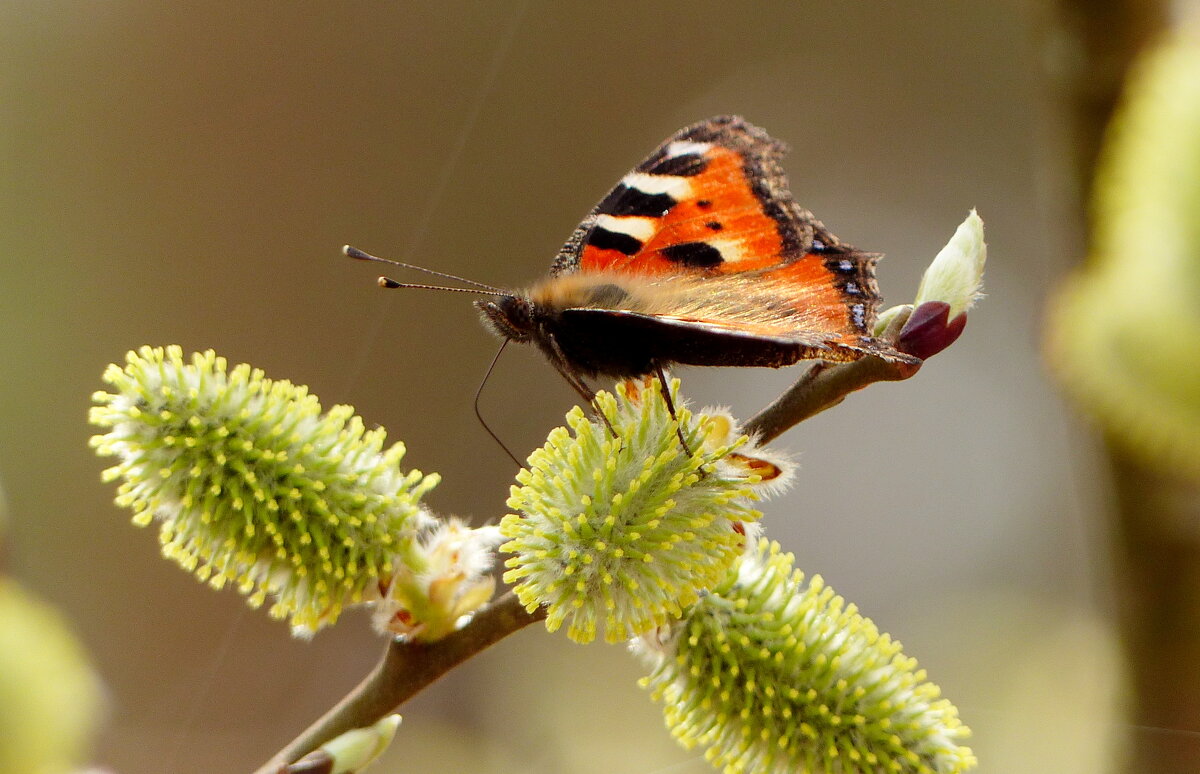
(949, 288)
(930, 330)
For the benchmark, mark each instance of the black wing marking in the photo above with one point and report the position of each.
(799, 230)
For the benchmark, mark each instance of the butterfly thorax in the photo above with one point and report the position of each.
(519, 316)
(542, 315)
(586, 290)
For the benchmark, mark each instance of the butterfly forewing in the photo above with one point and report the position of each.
(712, 200)
(712, 197)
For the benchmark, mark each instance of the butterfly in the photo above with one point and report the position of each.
(699, 256)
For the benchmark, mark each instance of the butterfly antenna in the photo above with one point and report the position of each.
(388, 282)
(354, 252)
(479, 415)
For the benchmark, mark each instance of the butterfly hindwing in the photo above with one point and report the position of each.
(689, 341)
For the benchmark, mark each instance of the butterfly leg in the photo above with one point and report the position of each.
(561, 365)
(666, 393)
(588, 394)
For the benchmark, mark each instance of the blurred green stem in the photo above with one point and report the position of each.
(1157, 544)
(1157, 555)
(1090, 48)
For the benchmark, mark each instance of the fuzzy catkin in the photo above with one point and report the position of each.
(251, 484)
(774, 675)
(622, 534)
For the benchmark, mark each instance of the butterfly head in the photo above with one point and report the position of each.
(511, 317)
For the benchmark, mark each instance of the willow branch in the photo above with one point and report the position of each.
(405, 668)
(825, 385)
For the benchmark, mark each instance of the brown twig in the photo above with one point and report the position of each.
(404, 670)
(825, 385)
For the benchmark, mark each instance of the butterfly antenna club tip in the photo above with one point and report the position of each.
(361, 255)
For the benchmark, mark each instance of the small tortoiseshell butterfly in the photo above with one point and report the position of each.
(699, 256)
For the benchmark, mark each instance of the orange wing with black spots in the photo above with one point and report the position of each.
(713, 200)
(699, 256)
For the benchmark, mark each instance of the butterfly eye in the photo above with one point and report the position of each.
(509, 316)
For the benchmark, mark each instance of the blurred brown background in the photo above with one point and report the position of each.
(187, 174)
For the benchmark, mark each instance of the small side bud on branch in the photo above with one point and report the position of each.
(454, 583)
(349, 753)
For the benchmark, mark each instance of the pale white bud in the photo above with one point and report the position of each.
(956, 274)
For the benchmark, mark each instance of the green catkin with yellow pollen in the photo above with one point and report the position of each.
(252, 485)
(771, 674)
(640, 527)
